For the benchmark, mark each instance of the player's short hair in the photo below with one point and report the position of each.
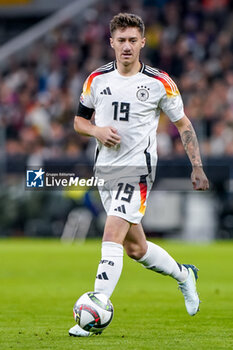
(124, 20)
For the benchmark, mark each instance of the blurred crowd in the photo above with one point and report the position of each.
(190, 40)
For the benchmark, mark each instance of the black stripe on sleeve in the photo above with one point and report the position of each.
(84, 111)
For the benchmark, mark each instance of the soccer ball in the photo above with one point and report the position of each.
(93, 312)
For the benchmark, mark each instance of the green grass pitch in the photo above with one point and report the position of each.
(41, 280)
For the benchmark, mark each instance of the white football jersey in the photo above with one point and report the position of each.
(132, 105)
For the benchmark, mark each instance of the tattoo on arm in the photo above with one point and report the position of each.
(191, 147)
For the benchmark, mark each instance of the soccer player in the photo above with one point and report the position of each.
(127, 97)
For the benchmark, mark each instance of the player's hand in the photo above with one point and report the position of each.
(107, 136)
(199, 179)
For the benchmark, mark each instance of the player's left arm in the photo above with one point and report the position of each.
(190, 143)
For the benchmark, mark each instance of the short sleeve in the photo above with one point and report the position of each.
(87, 95)
(171, 102)
(172, 107)
(86, 104)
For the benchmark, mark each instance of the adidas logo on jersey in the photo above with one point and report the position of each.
(106, 91)
(121, 209)
(102, 276)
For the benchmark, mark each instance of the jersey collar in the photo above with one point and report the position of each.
(140, 70)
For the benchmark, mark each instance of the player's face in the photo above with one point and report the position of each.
(127, 44)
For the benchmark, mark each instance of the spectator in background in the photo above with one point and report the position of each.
(192, 40)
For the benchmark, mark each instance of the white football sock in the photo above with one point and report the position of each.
(158, 260)
(110, 268)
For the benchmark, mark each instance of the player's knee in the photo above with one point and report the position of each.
(134, 251)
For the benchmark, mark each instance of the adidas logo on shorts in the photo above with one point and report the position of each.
(121, 209)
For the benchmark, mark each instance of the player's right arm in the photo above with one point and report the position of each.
(82, 122)
(106, 135)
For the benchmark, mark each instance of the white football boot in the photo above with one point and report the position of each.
(188, 288)
(77, 331)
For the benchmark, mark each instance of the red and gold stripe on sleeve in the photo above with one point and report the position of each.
(88, 82)
(168, 83)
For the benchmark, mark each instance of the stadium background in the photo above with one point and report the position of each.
(44, 60)
(47, 50)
